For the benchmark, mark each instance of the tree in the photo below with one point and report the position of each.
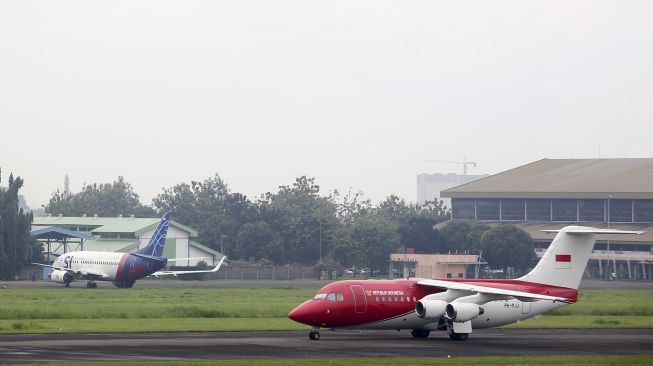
(306, 222)
(350, 206)
(461, 236)
(258, 240)
(15, 225)
(508, 246)
(107, 199)
(210, 207)
(370, 242)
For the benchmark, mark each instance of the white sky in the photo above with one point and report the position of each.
(354, 93)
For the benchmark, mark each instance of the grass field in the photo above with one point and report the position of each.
(404, 361)
(78, 310)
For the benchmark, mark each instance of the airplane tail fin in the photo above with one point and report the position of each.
(565, 260)
(157, 242)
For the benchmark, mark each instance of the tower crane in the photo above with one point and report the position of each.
(464, 163)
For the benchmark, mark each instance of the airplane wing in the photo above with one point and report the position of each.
(54, 267)
(86, 275)
(175, 273)
(500, 294)
(186, 259)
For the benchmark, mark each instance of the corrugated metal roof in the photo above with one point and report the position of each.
(109, 224)
(99, 246)
(565, 178)
(56, 233)
(534, 229)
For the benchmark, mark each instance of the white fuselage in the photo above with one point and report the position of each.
(497, 313)
(104, 263)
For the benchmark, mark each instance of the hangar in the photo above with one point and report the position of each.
(553, 193)
(122, 234)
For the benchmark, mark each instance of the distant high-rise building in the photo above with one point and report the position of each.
(429, 186)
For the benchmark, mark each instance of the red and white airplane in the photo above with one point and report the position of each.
(456, 305)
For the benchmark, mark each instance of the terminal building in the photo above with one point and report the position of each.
(61, 234)
(435, 265)
(553, 193)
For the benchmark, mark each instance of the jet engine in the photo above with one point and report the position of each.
(61, 276)
(462, 311)
(430, 309)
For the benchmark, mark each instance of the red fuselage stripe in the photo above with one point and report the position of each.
(120, 273)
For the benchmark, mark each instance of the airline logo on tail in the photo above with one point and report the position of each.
(563, 261)
(157, 243)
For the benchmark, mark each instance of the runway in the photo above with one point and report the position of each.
(231, 345)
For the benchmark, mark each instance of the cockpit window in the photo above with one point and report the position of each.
(332, 296)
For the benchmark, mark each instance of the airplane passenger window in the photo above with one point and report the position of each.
(389, 299)
(319, 296)
(396, 300)
(340, 297)
(414, 299)
(377, 299)
(402, 299)
(331, 297)
(383, 298)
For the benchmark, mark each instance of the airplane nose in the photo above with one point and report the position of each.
(301, 314)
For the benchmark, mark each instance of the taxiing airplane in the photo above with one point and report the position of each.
(456, 305)
(122, 269)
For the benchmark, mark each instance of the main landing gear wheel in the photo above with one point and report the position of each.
(314, 335)
(91, 285)
(420, 333)
(458, 336)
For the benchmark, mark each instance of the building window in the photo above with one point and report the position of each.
(643, 210)
(621, 210)
(487, 209)
(512, 210)
(591, 210)
(463, 209)
(564, 210)
(538, 210)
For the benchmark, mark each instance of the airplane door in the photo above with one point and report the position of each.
(360, 301)
(526, 307)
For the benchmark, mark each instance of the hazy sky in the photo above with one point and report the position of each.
(353, 93)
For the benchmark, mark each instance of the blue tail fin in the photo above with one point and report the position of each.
(158, 240)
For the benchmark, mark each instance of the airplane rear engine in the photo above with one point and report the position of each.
(61, 276)
(462, 312)
(430, 309)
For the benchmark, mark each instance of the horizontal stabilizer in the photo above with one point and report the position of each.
(186, 259)
(588, 230)
(175, 273)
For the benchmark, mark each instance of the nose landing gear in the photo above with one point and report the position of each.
(314, 335)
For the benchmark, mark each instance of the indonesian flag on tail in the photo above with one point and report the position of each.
(563, 261)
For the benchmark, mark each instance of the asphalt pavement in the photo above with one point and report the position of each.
(236, 345)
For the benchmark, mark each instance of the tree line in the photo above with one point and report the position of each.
(298, 225)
